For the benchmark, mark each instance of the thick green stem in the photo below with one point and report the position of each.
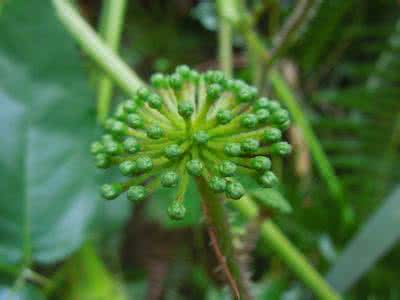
(224, 39)
(296, 261)
(110, 29)
(221, 240)
(96, 49)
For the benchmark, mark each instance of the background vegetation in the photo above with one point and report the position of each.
(334, 64)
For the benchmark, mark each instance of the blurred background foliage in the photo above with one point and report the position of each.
(59, 241)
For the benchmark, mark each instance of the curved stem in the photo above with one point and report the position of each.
(324, 166)
(111, 27)
(221, 239)
(224, 39)
(96, 49)
(294, 259)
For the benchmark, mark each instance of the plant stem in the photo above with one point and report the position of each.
(224, 39)
(294, 259)
(289, 29)
(96, 49)
(112, 18)
(325, 168)
(221, 240)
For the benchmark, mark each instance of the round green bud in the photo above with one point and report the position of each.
(228, 84)
(208, 76)
(175, 81)
(250, 145)
(260, 163)
(172, 151)
(281, 148)
(96, 147)
(154, 101)
(111, 191)
(268, 180)
(112, 147)
(232, 149)
(285, 125)
(183, 71)
(236, 86)
(280, 116)
(273, 105)
(120, 113)
(185, 109)
(224, 116)
(214, 77)
(127, 167)
(272, 135)
(176, 211)
(130, 106)
(159, 81)
(106, 138)
(247, 94)
(135, 121)
(249, 121)
(263, 115)
(169, 179)
(261, 103)
(143, 94)
(194, 76)
(116, 127)
(201, 137)
(234, 190)
(214, 91)
(102, 160)
(136, 193)
(131, 145)
(144, 164)
(155, 132)
(227, 168)
(194, 167)
(217, 184)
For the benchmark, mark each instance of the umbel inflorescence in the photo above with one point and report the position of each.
(191, 124)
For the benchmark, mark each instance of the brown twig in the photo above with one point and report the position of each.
(220, 257)
(221, 239)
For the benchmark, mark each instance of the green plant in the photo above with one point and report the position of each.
(191, 124)
(235, 127)
(191, 215)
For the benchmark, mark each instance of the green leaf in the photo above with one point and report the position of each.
(25, 292)
(88, 278)
(374, 239)
(205, 13)
(272, 199)
(47, 122)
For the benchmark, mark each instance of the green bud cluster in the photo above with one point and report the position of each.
(191, 124)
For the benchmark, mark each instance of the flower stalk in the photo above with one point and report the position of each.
(221, 240)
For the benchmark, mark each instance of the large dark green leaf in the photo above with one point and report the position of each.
(26, 292)
(47, 122)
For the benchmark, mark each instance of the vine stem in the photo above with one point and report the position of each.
(287, 96)
(295, 260)
(221, 240)
(97, 50)
(325, 168)
(224, 39)
(112, 18)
